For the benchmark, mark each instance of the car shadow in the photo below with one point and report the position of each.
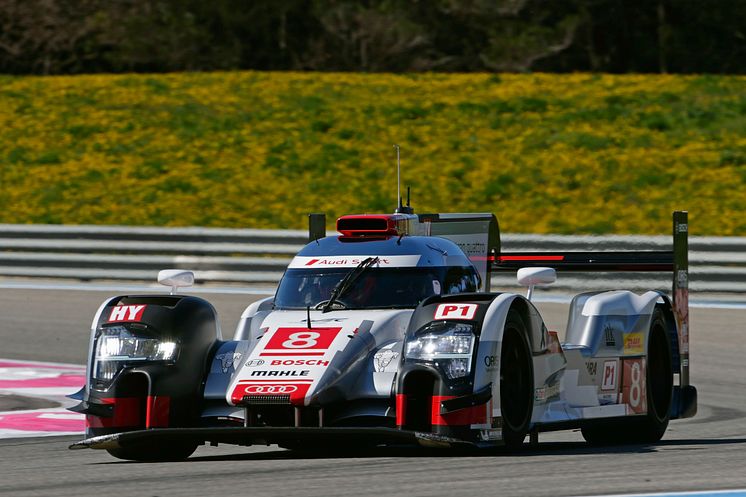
(542, 449)
(534, 451)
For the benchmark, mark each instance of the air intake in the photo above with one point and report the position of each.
(264, 400)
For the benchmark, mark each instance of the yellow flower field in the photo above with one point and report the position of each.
(577, 153)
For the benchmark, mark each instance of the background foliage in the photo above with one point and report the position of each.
(547, 153)
(618, 36)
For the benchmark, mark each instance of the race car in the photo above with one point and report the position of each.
(387, 333)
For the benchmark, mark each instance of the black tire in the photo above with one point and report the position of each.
(659, 380)
(171, 452)
(516, 381)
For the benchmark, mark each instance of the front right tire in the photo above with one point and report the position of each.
(516, 381)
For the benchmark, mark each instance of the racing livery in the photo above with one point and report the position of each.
(387, 333)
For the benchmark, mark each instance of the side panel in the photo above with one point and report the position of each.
(606, 358)
(252, 317)
(611, 323)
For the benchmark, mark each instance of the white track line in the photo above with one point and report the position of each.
(701, 493)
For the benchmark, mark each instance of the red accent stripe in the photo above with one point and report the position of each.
(532, 257)
(157, 412)
(467, 416)
(126, 414)
(401, 409)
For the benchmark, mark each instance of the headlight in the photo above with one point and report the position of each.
(116, 346)
(445, 343)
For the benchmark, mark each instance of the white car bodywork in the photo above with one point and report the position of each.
(361, 360)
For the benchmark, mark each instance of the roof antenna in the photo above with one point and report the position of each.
(400, 209)
(398, 178)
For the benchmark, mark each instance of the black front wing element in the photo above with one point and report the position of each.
(325, 437)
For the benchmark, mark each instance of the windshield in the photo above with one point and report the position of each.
(375, 288)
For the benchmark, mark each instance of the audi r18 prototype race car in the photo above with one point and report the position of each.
(387, 334)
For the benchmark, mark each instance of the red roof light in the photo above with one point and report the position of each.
(372, 225)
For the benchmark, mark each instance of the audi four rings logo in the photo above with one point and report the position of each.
(271, 389)
(255, 362)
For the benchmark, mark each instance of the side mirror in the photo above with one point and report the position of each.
(176, 278)
(531, 276)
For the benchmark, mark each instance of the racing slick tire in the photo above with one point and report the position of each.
(172, 452)
(659, 380)
(516, 381)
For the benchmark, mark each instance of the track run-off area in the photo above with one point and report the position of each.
(704, 454)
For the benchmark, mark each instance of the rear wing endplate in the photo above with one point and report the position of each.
(476, 234)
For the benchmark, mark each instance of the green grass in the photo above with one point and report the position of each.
(571, 153)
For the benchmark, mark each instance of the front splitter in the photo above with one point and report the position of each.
(327, 437)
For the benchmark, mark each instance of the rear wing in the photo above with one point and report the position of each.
(676, 261)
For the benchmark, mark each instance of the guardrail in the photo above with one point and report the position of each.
(254, 256)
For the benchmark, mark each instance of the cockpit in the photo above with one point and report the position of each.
(374, 288)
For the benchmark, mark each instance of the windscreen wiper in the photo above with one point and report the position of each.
(346, 282)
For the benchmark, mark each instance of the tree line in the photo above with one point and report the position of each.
(616, 36)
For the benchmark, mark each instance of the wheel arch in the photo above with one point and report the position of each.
(489, 351)
(247, 325)
(666, 307)
(493, 327)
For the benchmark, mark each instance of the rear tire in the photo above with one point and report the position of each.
(659, 379)
(173, 452)
(516, 381)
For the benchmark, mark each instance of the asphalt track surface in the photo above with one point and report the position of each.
(707, 452)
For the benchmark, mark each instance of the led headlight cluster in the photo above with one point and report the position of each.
(116, 346)
(446, 343)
